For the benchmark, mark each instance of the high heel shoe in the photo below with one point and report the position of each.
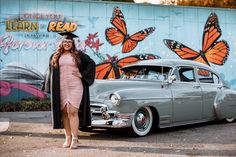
(67, 142)
(74, 143)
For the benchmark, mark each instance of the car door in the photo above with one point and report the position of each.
(187, 95)
(210, 85)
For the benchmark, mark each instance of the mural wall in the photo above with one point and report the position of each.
(113, 34)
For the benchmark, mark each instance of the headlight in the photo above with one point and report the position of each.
(115, 99)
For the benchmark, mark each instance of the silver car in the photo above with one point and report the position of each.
(161, 93)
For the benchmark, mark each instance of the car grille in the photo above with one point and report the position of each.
(96, 111)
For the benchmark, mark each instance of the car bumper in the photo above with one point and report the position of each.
(102, 117)
(111, 123)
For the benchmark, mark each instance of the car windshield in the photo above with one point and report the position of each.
(149, 72)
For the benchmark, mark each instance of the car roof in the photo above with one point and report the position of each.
(169, 63)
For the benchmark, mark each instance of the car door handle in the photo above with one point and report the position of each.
(219, 87)
(196, 86)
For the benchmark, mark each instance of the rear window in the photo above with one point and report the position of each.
(206, 76)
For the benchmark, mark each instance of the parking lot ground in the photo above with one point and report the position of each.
(30, 134)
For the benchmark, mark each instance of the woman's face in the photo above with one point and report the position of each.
(67, 44)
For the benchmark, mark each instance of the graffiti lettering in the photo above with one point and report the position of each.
(36, 35)
(61, 26)
(16, 26)
(41, 16)
(7, 42)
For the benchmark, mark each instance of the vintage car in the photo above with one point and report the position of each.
(161, 93)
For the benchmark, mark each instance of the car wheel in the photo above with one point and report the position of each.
(229, 120)
(142, 122)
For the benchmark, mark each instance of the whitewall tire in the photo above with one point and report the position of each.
(142, 122)
(229, 120)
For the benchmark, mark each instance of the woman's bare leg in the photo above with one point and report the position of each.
(67, 128)
(74, 120)
(74, 125)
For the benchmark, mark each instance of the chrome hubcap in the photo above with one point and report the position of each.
(142, 120)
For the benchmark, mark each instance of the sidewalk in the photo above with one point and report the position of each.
(26, 117)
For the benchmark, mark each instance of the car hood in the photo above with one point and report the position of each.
(101, 89)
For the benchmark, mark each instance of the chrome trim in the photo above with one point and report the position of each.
(153, 98)
(106, 118)
(98, 104)
(150, 98)
(109, 112)
(112, 122)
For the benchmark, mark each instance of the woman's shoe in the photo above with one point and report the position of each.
(74, 143)
(67, 142)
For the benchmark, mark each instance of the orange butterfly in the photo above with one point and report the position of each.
(111, 67)
(119, 34)
(212, 51)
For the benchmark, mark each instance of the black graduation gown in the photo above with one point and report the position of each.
(52, 85)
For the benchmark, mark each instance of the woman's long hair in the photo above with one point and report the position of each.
(60, 50)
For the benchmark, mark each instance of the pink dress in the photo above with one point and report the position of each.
(71, 87)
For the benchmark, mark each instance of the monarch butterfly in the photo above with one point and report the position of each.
(111, 67)
(212, 51)
(119, 34)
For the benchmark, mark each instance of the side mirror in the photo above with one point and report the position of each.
(171, 79)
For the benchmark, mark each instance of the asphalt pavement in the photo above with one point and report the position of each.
(29, 134)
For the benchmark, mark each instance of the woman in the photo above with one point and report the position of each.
(71, 72)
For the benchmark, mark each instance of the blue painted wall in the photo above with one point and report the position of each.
(184, 24)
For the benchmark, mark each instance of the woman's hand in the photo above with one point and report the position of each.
(77, 74)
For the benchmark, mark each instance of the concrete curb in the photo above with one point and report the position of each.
(40, 117)
(4, 124)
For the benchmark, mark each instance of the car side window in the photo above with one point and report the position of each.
(158, 73)
(149, 72)
(186, 74)
(155, 75)
(206, 76)
(130, 74)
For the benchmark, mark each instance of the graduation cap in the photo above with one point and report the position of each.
(68, 35)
